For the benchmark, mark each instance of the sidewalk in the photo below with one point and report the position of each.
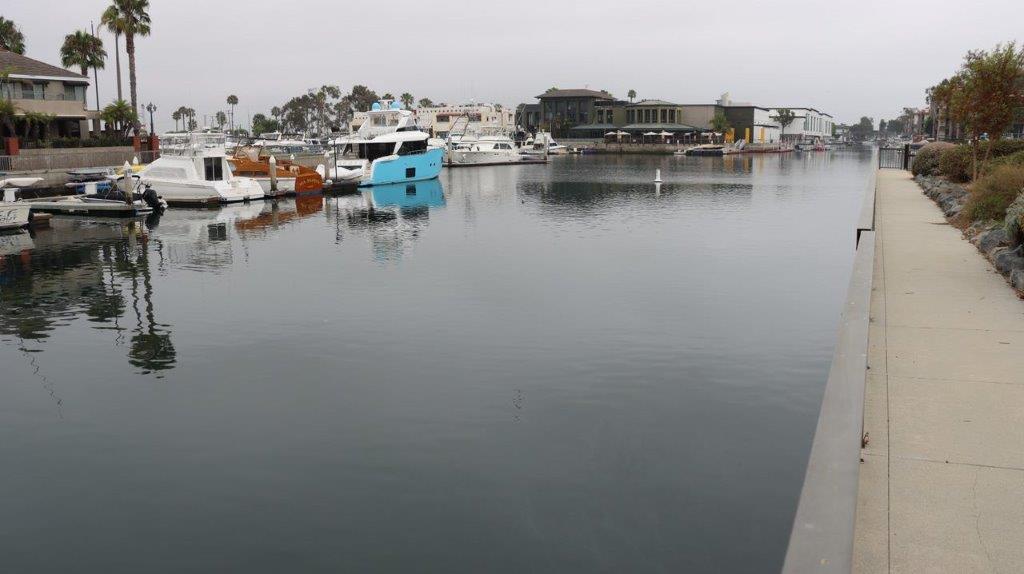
(942, 482)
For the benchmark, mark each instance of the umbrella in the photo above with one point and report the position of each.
(665, 134)
(650, 134)
(611, 134)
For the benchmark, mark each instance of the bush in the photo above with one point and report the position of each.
(926, 161)
(1012, 159)
(993, 193)
(956, 163)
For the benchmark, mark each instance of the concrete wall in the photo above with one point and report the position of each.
(699, 116)
(73, 158)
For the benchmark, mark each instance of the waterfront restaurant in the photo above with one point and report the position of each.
(636, 119)
(561, 110)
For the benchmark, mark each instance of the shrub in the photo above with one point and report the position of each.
(1012, 159)
(956, 163)
(926, 161)
(993, 193)
(1001, 148)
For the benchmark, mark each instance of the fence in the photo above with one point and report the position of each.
(896, 157)
(823, 529)
(77, 158)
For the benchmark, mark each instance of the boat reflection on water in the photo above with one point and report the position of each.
(391, 216)
(99, 272)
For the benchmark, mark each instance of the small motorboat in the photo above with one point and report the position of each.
(13, 214)
(707, 149)
(289, 177)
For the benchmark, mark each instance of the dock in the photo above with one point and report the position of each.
(942, 482)
(492, 163)
(61, 206)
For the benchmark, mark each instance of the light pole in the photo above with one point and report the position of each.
(151, 108)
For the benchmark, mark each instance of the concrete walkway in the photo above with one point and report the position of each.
(942, 483)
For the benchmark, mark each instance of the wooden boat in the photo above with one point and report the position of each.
(291, 177)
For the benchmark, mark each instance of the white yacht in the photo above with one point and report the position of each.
(491, 146)
(542, 144)
(193, 169)
(388, 148)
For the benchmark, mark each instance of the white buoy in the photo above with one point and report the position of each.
(273, 173)
(657, 176)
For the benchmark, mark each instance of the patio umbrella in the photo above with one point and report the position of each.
(665, 134)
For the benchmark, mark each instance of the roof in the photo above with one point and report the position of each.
(653, 103)
(602, 127)
(17, 65)
(666, 127)
(576, 93)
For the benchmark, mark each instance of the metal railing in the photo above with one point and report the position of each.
(823, 530)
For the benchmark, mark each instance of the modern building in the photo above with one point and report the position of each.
(634, 118)
(809, 124)
(528, 117)
(561, 110)
(37, 87)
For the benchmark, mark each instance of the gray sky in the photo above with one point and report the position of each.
(844, 57)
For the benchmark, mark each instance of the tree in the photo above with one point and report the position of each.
(387, 96)
(84, 50)
(261, 125)
(121, 115)
(221, 119)
(992, 90)
(407, 100)
(720, 123)
(785, 117)
(232, 101)
(176, 116)
(361, 98)
(11, 38)
(110, 20)
(863, 129)
(631, 95)
(425, 102)
(132, 19)
(8, 111)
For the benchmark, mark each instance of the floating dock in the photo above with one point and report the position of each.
(492, 163)
(75, 205)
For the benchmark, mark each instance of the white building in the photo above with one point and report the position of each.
(808, 125)
(438, 119)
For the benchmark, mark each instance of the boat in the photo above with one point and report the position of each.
(289, 177)
(193, 169)
(388, 148)
(15, 214)
(810, 146)
(491, 147)
(543, 144)
(706, 149)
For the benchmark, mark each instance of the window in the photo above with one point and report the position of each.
(214, 168)
(32, 91)
(411, 172)
(664, 116)
(74, 92)
(671, 116)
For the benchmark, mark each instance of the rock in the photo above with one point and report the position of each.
(1009, 261)
(1017, 279)
(989, 240)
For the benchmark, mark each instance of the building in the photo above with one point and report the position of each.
(439, 119)
(809, 124)
(561, 110)
(37, 87)
(634, 118)
(528, 117)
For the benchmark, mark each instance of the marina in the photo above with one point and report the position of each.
(429, 322)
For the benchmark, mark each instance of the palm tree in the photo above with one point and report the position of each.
(131, 18)
(11, 38)
(121, 115)
(387, 96)
(425, 102)
(232, 101)
(407, 100)
(84, 50)
(7, 112)
(110, 20)
(176, 116)
(631, 95)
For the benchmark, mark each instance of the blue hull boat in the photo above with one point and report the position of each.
(417, 166)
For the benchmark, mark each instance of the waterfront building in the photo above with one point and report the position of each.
(37, 87)
(528, 117)
(809, 124)
(635, 118)
(439, 119)
(561, 110)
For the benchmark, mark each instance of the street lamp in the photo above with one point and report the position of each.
(151, 108)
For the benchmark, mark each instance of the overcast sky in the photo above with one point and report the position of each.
(848, 58)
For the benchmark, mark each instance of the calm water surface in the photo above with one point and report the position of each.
(513, 369)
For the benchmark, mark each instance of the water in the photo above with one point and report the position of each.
(533, 369)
